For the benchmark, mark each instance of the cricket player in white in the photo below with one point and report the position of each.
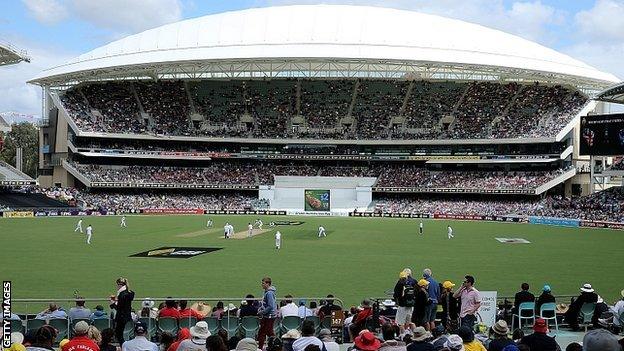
(321, 231)
(259, 223)
(249, 230)
(89, 233)
(450, 232)
(79, 226)
(230, 230)
(209, 223)
(278, 240)
(226, 230)
(421, 227)
(123, 222)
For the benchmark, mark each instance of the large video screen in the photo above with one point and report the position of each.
(316, 200)
(602, 135)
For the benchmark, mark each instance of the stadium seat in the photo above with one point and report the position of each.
(152, 326)
(17, 326)
(548, 311)
(73, 323)
(213, 324)
(62, 326)
(34, 324)
(168, 324)
(128, 332)
(277, 326)
(526, 310)
(326, 322)
(187, 322)
(250, 325)
(317, 322)
(230, 324)
(586, 313)
(290, 322)
(101, 323)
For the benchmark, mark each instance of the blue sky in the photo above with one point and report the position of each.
(53, 31)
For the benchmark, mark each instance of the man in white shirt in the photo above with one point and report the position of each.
(450, 232)
(249, 230)
(209, 223)
(230, 230)
(226, 230)
(123, 222)
(290, 309)
(259, 223)
(79, 226)
(307, 337)
(89, 233)
(321, 231)
(421, 228)
(140, 342)
(278, 240)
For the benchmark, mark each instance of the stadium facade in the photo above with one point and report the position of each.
(230, 102)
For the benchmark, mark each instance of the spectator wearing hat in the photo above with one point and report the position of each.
(420, 340)
(470, 301)
(199, 333)
(147, 308)
(545, 297)
(450, 307)
(499, 335)
(140, 342)
(289, 338)
(587, 296)
(421, 302)
(249, 307)
(539, 340)
(247, 344)
(328, 341)
(170, 310)
(303, 311)
(433, 292)
(405, 297)
(617, 309)
(359, 320)
(600, 340)
(81, 342)
(366, 341)
(290, 308)
(268, 311)
(99, 313)
(79, 311)
(468, 338)
(122, 304)
(454, 343)
(307, 337)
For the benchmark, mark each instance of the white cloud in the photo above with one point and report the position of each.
(127, 17)
(603, 22)
(46, 11)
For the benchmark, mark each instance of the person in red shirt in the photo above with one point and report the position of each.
(170, 310)
(359, 321)
(183, 334)
(188, 312)
(81, 342)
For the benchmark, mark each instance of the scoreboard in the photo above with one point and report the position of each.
(602, 135)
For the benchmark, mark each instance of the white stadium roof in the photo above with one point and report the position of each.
(310, 38)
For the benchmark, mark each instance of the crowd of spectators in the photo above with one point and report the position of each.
(607, 205)
(380, 109)
(455, 206)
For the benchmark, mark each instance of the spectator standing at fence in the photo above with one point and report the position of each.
(450, 307)
(433, 291)
(405, 297)
(420, 305)
(268, 311)
(470, 302)
(122, 304)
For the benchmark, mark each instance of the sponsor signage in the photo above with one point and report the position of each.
(391, 215)
(439, 216)
(562, 222)
(172, 211)
(18, 214)
(487, 311)
(176, 252)
(602, 224)
(286, 223)
(247, 212)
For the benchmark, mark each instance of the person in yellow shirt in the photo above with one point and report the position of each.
(470, 343)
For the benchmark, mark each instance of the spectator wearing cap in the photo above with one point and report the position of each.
(81, 342)
(303, 311)
(328, 341)
(307, 337)
(468, 338)
(450, 307)
(359, 320)
(600, 340)
(366, 341)
(539, 340)
(140, 342)
(420, 305)
(587, 296)
(147, 308)
(249, 307)
(199, 333)
(99, 313)
(289, 309)
(545, 297)
(500, 337)
(405, 297)
(79, 311)
(433, 290)
(170, 310)
(470, 301)
(420, 340)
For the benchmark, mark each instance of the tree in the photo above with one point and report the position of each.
(26, 136)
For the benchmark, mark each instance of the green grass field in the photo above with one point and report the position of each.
(360, 257)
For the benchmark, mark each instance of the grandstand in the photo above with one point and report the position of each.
(477, 112)
(10, 55)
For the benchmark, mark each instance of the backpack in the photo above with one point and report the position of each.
(409, 295)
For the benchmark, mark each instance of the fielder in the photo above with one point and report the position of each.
(230, 230)
(209, 223)
(321, 231)
(278, 240)
(89, 233)
(450, 232)
(249, 230)
(226, 230)
(123, 222)
(259, 223)
(420, 228)
(79, 226)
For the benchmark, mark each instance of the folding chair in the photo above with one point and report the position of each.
(230, 324)
(250, 325)
(17, 326)
(290, 322)
(168, 324)
(526, 310)
(152, 326)
(62, 325)
(317, 322)
(213, 324)
(586, 313)
(101, 323)
(187, 322)
(548, 311)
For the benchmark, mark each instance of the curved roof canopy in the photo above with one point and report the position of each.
(322, 38)
(10, 55)
(614, 94)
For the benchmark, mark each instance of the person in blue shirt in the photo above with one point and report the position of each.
(52, 312)
(433, 290)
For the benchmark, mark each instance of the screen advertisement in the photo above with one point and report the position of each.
(602, 135)
(316, 200)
